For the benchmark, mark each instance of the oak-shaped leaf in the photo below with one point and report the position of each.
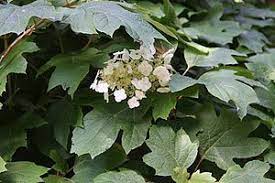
(102, 125)
(15, 19)
(225, 137)
(86, 168)
(14, 62)
(253, 40)
(57, 179)
(214, 57)
(164, 103)
(68, 116)
(182, 176)
(263, 66)
(212, 29)
(13, 134)
(70, 69)
(96, 19)
(23, 172)
(170, 150)
(125, 176)
(223, 84)
(252, 172)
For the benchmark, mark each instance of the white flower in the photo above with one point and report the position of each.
(167, 57)
(169, 67)
(144, 84)
(116, 64)
(133, 102)
(122, 55)
(102, 87)
(163, 90)
(125, 55)
(163, 83)
(120, 95)
(162, 74)
(147, 54)
(108, 70)
(140, 95)
(145, 68)
(135, 54)
(129, 69)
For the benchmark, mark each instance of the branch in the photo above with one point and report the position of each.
(70, 4)
(26, 33)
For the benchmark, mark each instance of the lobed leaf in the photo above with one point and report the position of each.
(102, 125)
(170, 150)
(95, 18)
(252, 172)
(23, 172)
(15, 19)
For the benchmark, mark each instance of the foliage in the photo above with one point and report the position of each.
(137, 91)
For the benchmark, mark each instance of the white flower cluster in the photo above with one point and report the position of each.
(132, 73)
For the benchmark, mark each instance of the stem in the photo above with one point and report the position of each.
(9, 79)
(26, 33)
(88, 43)
(198, 165)
(187, 69)
(70, 5)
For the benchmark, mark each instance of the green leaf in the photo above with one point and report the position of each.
(57, 179)
(13, 134)
(163, 104)
(63, 115)
(225, 137)
(169, 11)
(214, 57)
(266, 97)
(72, 68)
(102, 125)
(197, 47)
(252, 172)
(223, 84)
(14, 19)
(227, 86)
(150, 8)
(61, 164)
(23, 172)
(94, 17)
(263, 66)
(179, 82)
(126, 176)
(86, 169)
(2, 165)
(204, 177)
(15, 62)
(270, 157)
(182, 176)
(212, 29)
(253, 40)
(257, 12)
(44, 140)
(169, 150)
(160, 27)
